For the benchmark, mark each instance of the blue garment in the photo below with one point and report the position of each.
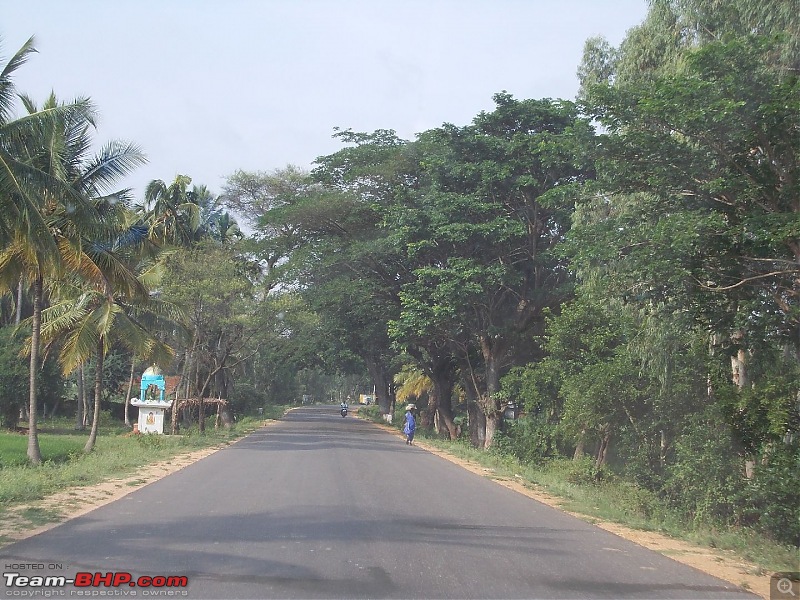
(410, 425)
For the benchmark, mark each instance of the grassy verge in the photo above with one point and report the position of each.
(116, 454)
(613, 500)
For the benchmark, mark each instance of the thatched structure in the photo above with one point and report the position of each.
(195, 402)
(191, 403)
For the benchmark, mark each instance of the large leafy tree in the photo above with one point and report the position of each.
(696, 224)
(251, 196)
(729, 129)
(214, 287)
(714, 148)
(323, 235)
(495, 206)
(658, 46)
(363, 266)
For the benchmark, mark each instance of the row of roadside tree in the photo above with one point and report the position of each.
(624, 267)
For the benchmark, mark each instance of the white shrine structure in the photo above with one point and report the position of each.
(152, 402)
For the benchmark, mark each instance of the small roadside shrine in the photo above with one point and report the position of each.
(152, 402)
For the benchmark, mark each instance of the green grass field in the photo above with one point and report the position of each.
(56, 448)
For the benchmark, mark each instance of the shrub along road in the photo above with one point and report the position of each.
(318, 506)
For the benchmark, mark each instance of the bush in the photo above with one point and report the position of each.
(583, 471)
(638, 459)
(772, 496)
(371, 412)
(246, 399)
(529, 439)
(705, 481)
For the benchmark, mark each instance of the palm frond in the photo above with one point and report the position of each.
(141, 342)
(115, 160)
(6, 84)
(63, 317)
(20, 184)
(117, 274)
(151, 275)
(79, 264)
(413, 384)
(133, 236)
(80, 344)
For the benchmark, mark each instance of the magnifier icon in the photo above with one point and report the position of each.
(784, 586)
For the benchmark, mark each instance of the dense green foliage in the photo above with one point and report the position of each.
(13, 378)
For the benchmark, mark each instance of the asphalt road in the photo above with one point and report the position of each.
(317, 506)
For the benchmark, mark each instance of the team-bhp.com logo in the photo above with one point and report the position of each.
(87, 583)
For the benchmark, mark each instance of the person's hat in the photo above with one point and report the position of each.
(411, 407)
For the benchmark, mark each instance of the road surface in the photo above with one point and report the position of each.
(317, 506)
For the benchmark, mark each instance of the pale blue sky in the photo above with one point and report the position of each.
(207, 87)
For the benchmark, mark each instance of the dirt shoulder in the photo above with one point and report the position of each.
(26, 520)
(23, 521)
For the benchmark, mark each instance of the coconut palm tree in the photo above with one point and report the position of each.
(214, 222)
(76, 216)
(171, 212)
(28, 250)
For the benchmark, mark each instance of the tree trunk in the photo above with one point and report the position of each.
(492, 349)
(128, 393)
(602, 451)
(494, 421)
(34, 452)
(79, 425)
(98, 390)
(739, 376)
(18, 316)
(184, 381)
(84, 397)
(201, 415)
(427, 415)
(739, 369)
(382, 381)
(201, 409)
(226, 418)
(442, 376)
(579, 448)
(477, 425)
(477, 420)
(221, 380)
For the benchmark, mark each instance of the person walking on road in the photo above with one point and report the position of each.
(410, 425)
